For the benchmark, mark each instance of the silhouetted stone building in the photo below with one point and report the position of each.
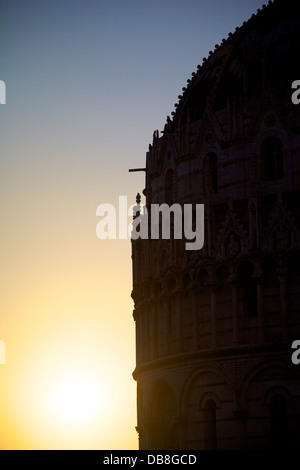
(214, 327)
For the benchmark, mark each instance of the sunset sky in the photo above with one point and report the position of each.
(87, 83)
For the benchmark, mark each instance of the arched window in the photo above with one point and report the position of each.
(271, 159)
(210, 425)
(248, 289)
(279, 421)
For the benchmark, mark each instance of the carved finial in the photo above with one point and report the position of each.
(155, 135)
(136, 209)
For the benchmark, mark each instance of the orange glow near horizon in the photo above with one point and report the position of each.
(66, 392)
(70, 344)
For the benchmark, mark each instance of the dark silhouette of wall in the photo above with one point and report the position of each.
(214, 327)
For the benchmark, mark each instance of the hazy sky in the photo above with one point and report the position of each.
(87, 84)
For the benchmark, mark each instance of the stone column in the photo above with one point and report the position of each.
(146, 334)
(283, 307)
(154, 331)
(208, 221)
(240, 417)
(140, 336)
(213, 290)
(137, 337)
(257, 276)
(195, 319)
(235, 312)
(179, 325)
(181, 421)
(166, 326)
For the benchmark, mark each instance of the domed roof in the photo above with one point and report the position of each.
(267, 45)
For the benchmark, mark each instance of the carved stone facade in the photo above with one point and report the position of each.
(214, 327)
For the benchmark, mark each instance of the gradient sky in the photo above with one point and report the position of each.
(87, 84)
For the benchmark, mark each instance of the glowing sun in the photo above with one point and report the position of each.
(75, 396)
